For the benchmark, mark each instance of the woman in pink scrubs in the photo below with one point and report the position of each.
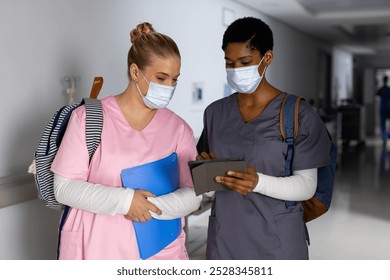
(137, 129)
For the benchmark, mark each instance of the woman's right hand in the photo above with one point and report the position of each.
(140, 207)
(205, 155)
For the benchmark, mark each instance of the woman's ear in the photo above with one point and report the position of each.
(134, 72)
(269, 55)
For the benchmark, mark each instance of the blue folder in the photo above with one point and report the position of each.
(159, 177)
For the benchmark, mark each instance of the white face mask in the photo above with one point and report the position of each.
(245, 79)
(157, 96)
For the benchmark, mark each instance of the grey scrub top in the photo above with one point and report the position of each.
(256, 226)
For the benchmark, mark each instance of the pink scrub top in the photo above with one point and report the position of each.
(87, 235)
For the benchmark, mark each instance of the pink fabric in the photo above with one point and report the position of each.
(87, 235)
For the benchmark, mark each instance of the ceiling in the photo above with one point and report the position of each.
(360, 26)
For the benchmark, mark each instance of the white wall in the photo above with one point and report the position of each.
(42, 41)
(296, 63)
(28, 231)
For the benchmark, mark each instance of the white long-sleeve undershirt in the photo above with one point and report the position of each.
(179, 203)
(101, 199)
(117, 200)
(298, 187)
(91, 197)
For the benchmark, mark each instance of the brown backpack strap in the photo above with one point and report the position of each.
(296, 116)
(281, 117)
(96, 87)
(296, 119)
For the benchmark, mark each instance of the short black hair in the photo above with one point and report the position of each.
(252, 30)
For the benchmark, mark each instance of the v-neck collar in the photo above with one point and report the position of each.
(267, 110)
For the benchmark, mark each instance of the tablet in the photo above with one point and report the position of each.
(203, 173)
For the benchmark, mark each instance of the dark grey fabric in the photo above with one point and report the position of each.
(256, 226)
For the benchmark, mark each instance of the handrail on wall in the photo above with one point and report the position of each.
(16, 189)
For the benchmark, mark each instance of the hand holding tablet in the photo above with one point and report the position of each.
(204, 172)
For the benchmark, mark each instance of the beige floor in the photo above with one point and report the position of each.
(357, 227)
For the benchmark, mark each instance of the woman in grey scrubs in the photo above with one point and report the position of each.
(253, 220)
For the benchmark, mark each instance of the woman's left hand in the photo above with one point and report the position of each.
(240, 182)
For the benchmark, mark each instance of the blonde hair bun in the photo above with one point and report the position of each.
(139, 30)
(147, 45)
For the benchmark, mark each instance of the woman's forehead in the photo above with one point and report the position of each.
(170, 65)
(240, 49)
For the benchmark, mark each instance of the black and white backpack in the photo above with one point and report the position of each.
(51, 139)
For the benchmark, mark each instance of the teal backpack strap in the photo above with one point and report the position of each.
(289, 129)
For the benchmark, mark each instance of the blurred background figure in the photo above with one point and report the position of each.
(384, 109)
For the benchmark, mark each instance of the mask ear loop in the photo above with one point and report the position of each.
(136, 84)
(144, 77)
(262, 75)
(265, 68)
(139, 91)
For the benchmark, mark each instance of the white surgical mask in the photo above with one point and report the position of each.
(157, 96)
(245, 79)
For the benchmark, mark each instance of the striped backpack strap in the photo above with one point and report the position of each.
(94, 124)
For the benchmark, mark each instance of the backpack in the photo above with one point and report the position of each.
(320, 202)
(51, 139)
